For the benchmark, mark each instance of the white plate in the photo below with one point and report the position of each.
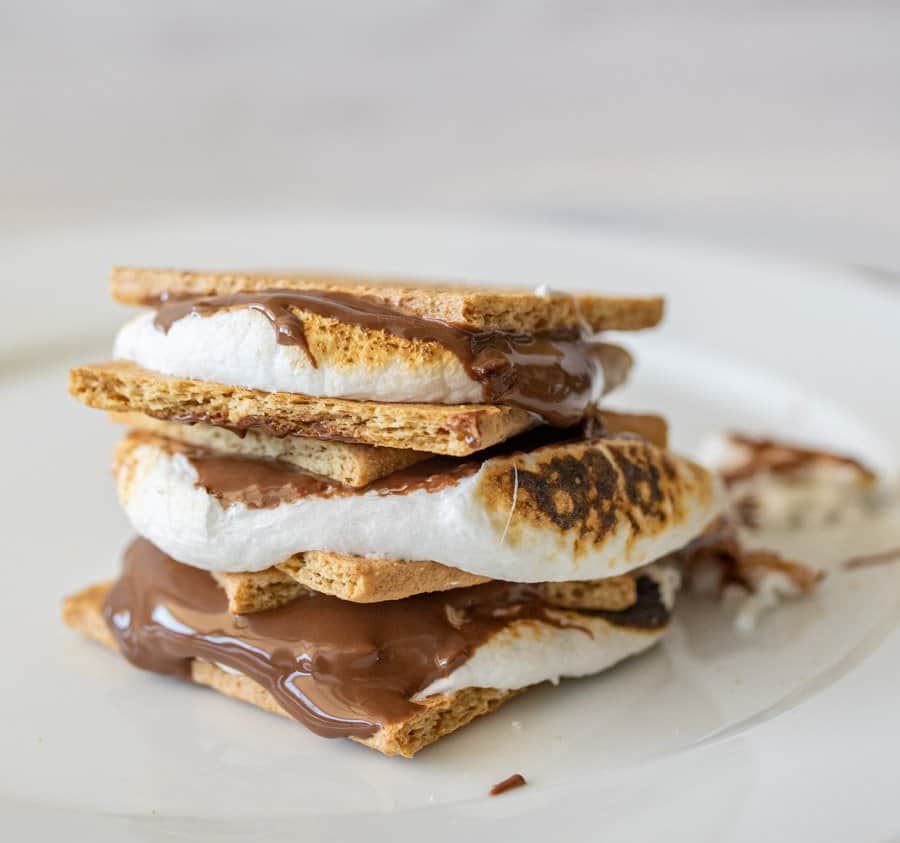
(93, 748)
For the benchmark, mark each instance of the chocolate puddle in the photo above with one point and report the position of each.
(550, 374)
(342, 669)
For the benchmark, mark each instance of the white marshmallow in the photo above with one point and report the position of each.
(449, 526)
(528, 653)
(239, 348)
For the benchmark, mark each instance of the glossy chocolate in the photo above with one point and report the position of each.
(342, 669)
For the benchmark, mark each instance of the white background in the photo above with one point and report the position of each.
(772, 123)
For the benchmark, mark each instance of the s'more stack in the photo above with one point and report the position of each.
(379, 507)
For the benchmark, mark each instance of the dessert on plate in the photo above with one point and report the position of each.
(379, 507)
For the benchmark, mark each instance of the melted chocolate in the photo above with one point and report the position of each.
(647, 612)
(550, 374)
(338, 667)
(261, 484)
(257, 483)
(264, 484)
(514, 781)
(781, 458)
(342, 669)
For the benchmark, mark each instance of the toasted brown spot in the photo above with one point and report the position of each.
(560, 492)
(642, 479)
(587, 491)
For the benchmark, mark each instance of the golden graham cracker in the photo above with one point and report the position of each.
(472, 306)
(456, 430)
(351, 464)
(258, 591)
(362, 580)
(348, 463)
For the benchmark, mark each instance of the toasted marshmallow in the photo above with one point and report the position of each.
(529, 653)
(775, 486)
(579, 511)
(239, 348)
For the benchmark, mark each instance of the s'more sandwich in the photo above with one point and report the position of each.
(380, 507)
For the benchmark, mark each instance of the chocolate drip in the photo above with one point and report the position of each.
(342, 669)
(550, 374)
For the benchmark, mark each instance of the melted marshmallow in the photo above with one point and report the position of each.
(450, 526)
(239, 348)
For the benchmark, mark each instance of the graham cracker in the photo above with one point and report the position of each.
(362, 580)
(456, 430)
(472, 306)
(651, 427)
(438, 715)
(611, 594)
(348, 463)
(351, 464)
(258, 591)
